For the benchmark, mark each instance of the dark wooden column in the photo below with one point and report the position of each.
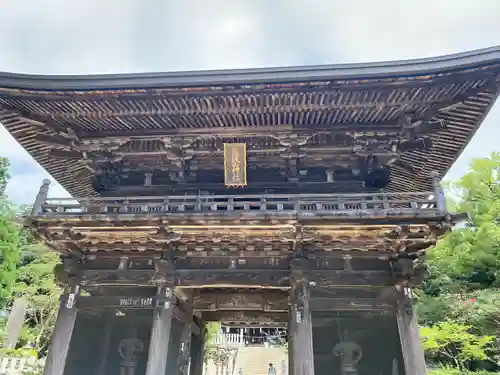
(109, 321)
(409, 334)
(61, 337)
(185, 348)
(197, 353)
(292, 333)
(300, 322)
(160, 333)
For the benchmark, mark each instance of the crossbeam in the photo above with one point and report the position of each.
(244, 317)
(348, 304)
(264, 301)
(205, 278)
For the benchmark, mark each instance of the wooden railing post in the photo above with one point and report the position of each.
(41, 198)
(438, 192)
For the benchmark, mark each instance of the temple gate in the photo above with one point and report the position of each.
(295, 196)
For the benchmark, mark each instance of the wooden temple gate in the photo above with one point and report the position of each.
(299, 196)
(310, 261)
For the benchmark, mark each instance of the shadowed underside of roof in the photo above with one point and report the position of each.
(382, 99)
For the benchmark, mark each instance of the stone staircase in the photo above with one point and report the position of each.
(254, 360)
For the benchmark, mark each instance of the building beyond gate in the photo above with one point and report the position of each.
(300, 196)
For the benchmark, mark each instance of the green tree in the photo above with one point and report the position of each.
(212, 330)
(455, 343)
(468, 258)
(9, 240)
(35, 282)
(464, 283)
(448, 370)
(4, 174)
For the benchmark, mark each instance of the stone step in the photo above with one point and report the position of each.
(255, 360)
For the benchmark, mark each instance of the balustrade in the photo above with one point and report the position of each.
(229, 340)
(255, 205)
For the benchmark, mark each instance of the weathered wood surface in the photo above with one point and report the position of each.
(300, 321)
(267, 301)
(249, 317)
(257, 300)
(172, 127)
(160, 333)
(61, 338)
(409, 334)
(239, 239)
(185, 344)
(198, 350)
(362, 204)
(116, 302)
(243, 278)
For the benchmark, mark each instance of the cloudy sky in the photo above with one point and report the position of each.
(126, 36)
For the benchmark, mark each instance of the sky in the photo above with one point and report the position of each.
(131, 36)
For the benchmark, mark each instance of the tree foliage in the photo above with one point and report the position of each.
(454, 342)
(26, 270)
(459, 305)
(35, 282)
(9, 240)
(4, 174)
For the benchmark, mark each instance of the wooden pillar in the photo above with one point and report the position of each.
(109, 323)
(300, 323)
(409, 334)
(292, 333)
(439, 193)
(41, 198)
(185, 348)
(61, 337)
(197, 353)
(160, 333)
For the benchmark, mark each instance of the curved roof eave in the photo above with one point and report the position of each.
(401, 68)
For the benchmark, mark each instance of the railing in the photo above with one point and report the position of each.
(229, 340)
(234, 340)
(306, 204)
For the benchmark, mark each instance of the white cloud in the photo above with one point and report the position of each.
(111, 36)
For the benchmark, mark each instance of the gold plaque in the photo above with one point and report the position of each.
(235, 164)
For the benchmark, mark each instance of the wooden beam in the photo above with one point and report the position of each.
(332, 278)
(192, 278)
(217, 277)
(313, 254)
(348, 304)
(111, 302)
(255, 324)
(127, 302)
(264, 301)
(250, 317)
(245, 131)
(115, 277)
